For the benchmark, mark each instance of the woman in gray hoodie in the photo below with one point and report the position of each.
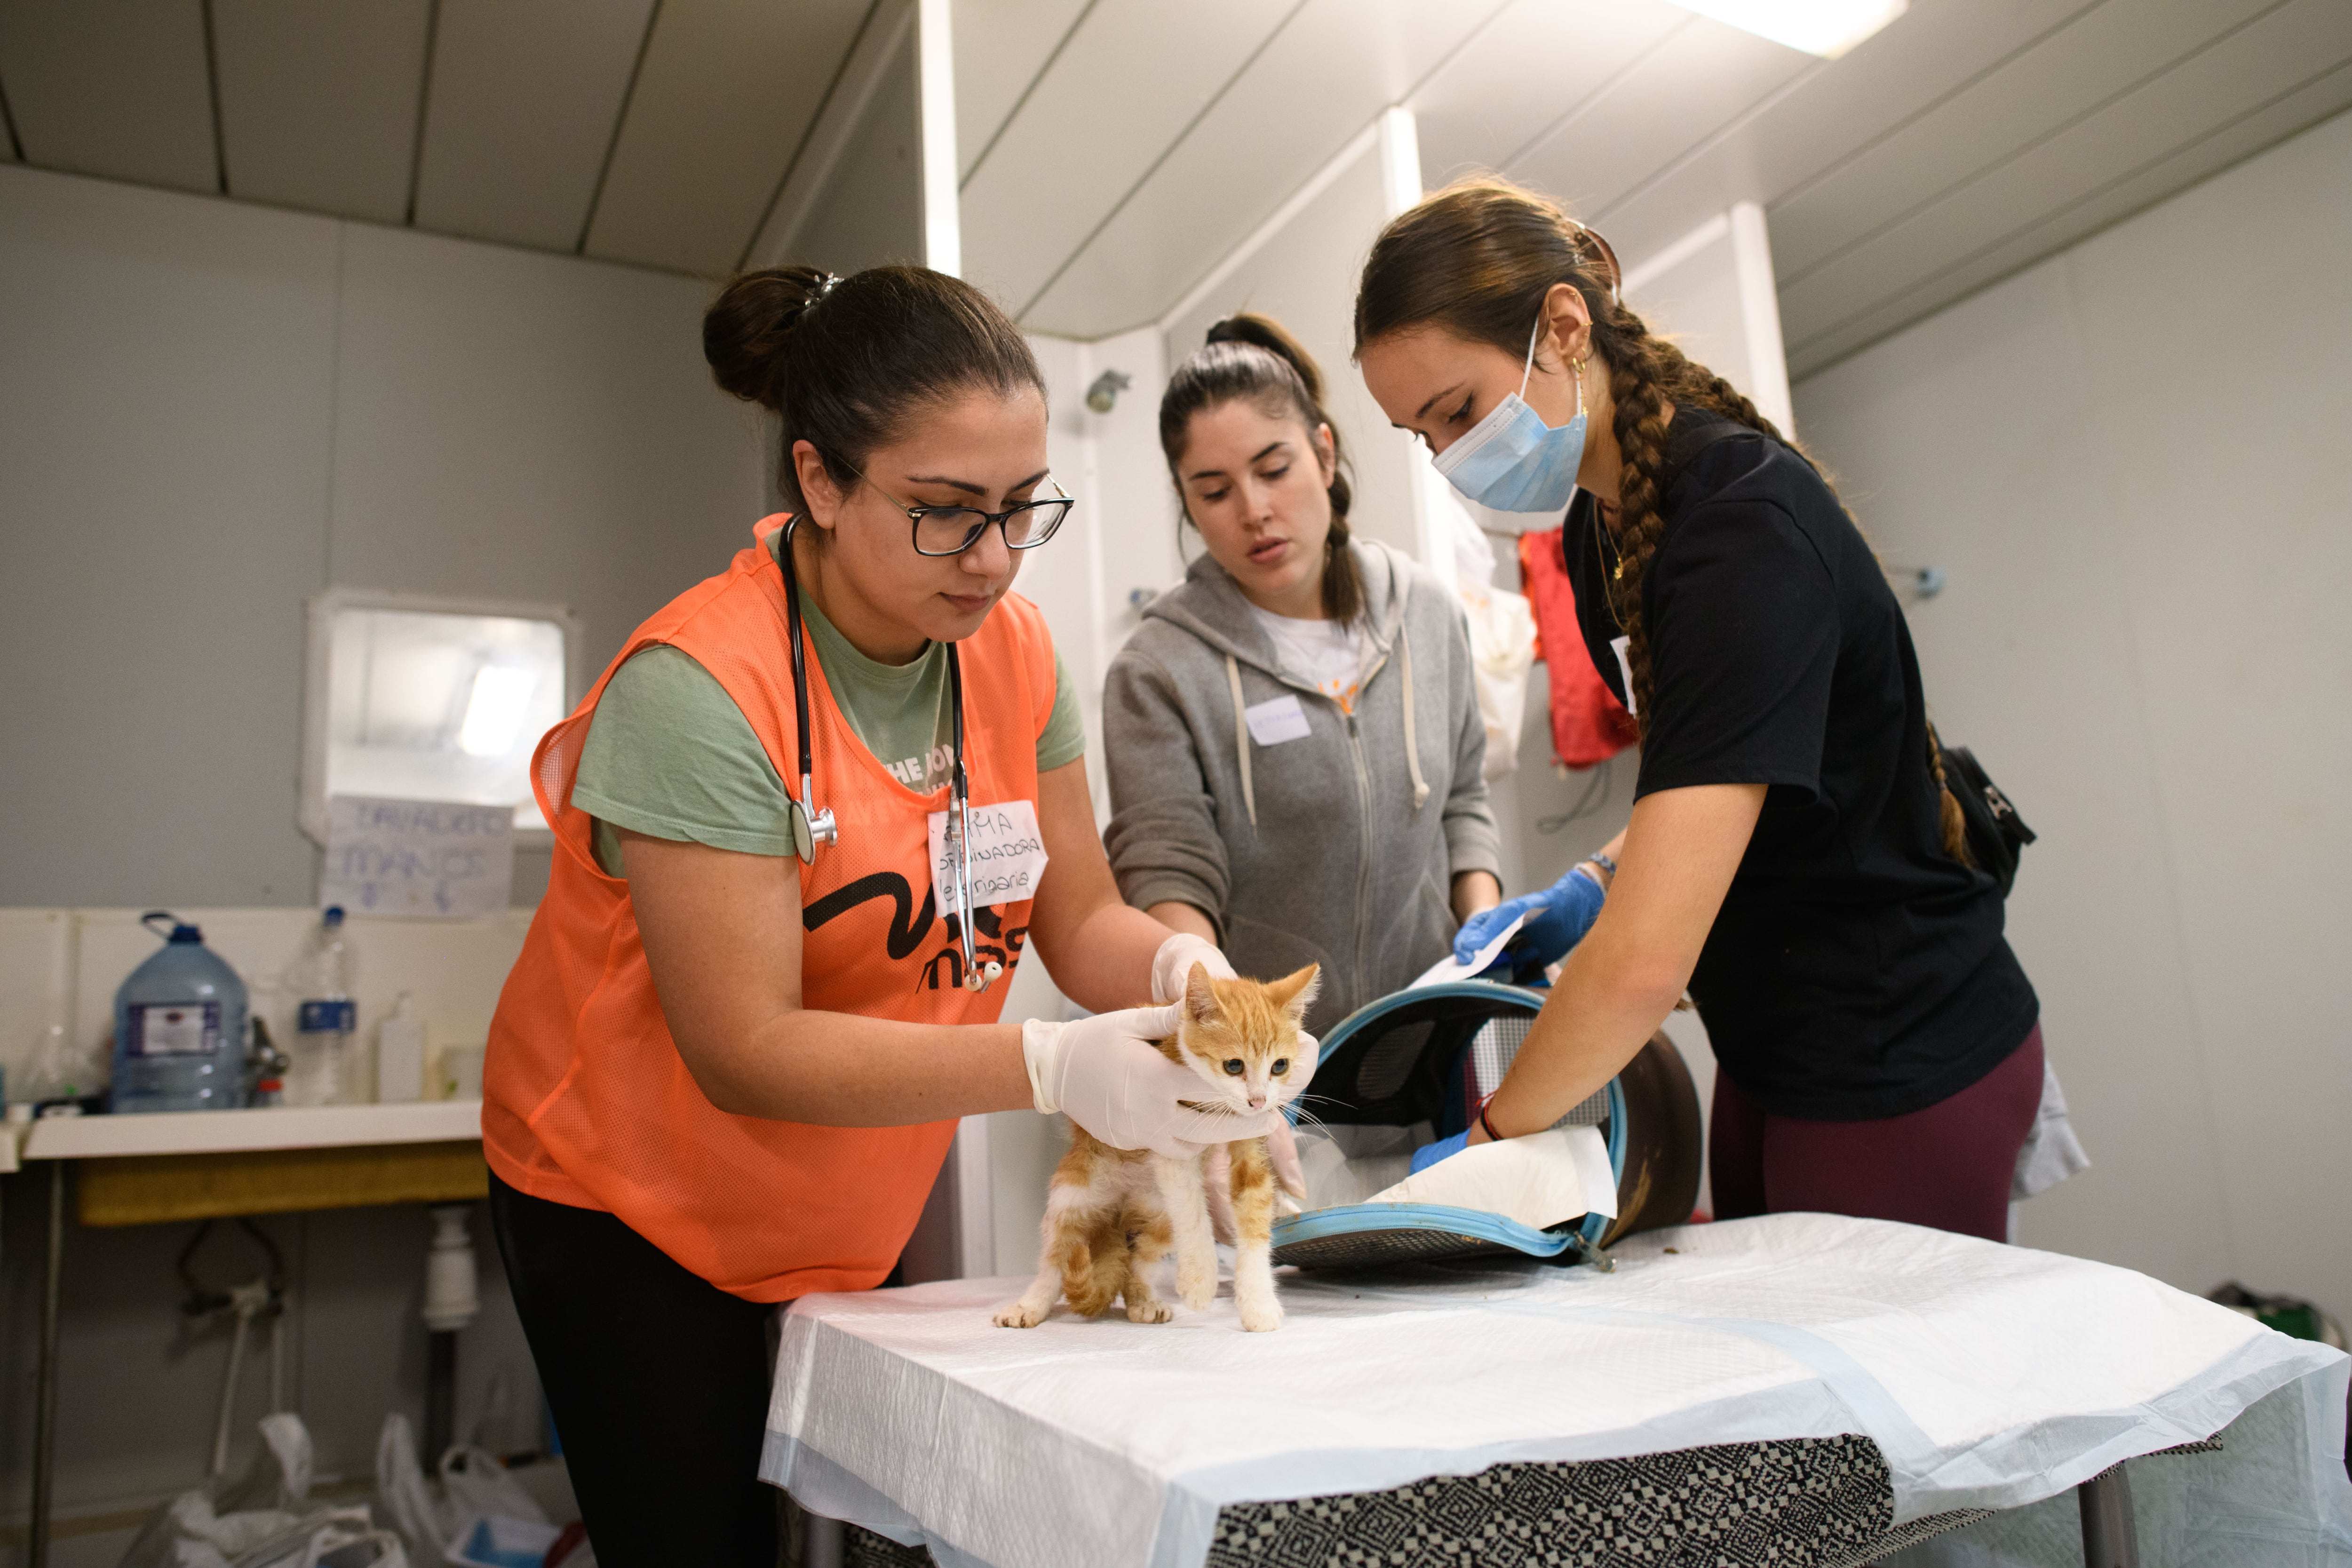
(1292, 736)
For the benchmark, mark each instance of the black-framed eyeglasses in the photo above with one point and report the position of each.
(952, 530)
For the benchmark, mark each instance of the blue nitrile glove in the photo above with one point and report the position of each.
(1558, 919)
(1428, 1155)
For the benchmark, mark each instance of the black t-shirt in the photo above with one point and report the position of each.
(1855, 971)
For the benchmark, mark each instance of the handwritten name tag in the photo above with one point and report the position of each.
(1008, 856)
(1274, 722)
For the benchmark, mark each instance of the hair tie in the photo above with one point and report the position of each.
(826, 285)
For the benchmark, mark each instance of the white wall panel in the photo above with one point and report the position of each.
(723, 99)
(2236, 572)
(1085, 136)
(1333, 66)
(2140, 640)
(319, 103)
(166, 387)
(516, 425)
(115, 87)
(525, 97)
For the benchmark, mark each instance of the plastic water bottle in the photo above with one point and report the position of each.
(179, 1027)
(327, 1017)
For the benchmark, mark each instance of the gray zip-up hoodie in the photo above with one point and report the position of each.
(1339, 847)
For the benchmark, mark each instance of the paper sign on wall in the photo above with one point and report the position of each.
(1008, 856)
(435, 859)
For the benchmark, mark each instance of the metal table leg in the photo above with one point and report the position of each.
(2110, 1536)
(44, 1401)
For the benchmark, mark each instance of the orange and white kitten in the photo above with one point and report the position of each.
(1110, 1213)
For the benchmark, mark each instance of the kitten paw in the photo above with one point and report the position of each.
(1261, 1316)
(1197, 1290)
(1019, 1315)
(1151, 1309)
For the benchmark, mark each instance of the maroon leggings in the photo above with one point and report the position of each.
(1948, 1166)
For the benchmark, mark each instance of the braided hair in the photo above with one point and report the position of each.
(1478, 259)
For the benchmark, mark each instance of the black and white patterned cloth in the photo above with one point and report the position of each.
(1813, 1502)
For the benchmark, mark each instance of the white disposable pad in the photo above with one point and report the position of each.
(1989, 1376)
(1539, 1180)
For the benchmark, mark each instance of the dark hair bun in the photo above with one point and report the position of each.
(1264, 333)
(745, 330)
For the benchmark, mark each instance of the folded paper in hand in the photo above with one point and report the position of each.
(1446, 969)
(1540, 1180)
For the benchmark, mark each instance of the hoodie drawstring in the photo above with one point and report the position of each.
(1411, 747)
(1242, 739)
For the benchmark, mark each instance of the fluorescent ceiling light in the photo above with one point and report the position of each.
(1824, 27)
(494, 714)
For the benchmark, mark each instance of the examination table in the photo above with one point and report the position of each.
(1799, 1389)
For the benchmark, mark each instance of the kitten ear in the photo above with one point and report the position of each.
(1294, 993)
(1199, 1001)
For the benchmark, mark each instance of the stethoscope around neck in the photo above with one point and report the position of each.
(812, 826)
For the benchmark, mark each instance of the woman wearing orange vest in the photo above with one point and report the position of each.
(726, 1066)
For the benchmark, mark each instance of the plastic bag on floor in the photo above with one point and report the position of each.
(436, 1521)
(259, 1520)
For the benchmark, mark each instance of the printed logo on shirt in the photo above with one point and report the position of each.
(925, 773)
(911, 926)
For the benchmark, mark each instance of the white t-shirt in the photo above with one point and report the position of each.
(1330, 653)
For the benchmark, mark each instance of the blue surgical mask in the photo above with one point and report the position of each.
(1511, 461)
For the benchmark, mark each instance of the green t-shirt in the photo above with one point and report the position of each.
(671, 755)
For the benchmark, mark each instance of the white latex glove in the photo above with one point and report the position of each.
(1175, 959)
(1105, 1074)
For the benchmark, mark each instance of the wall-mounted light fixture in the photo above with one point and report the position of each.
(1824, 27)
(1106, 389)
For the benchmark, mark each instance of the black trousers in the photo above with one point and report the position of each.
(658, 1383)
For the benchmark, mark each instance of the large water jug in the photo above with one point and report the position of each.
(179, 1027)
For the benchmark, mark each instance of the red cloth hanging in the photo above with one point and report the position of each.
(1589, 725)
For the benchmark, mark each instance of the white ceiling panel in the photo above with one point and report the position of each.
(723, 97)
(1001, 45)
(525, 97)
(1529, 68)
(1814, 129)
(1698, 80)
(2254, 81)
(118, 88)
(1122, 91)
(1332, 70)
(319, 103)
(2331, 94)
(2106, 52)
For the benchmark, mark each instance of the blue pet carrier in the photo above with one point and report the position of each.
(1414, 1067)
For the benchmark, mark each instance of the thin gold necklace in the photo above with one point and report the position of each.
(1611, 576)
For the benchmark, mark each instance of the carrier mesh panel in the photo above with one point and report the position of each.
(1371, 1249)
(1390, 1060)
(1491, 1051)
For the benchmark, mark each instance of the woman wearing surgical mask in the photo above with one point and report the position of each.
(1794, 856)
(1292, 738)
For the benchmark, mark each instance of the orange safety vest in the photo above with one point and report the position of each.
(585, 1100)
